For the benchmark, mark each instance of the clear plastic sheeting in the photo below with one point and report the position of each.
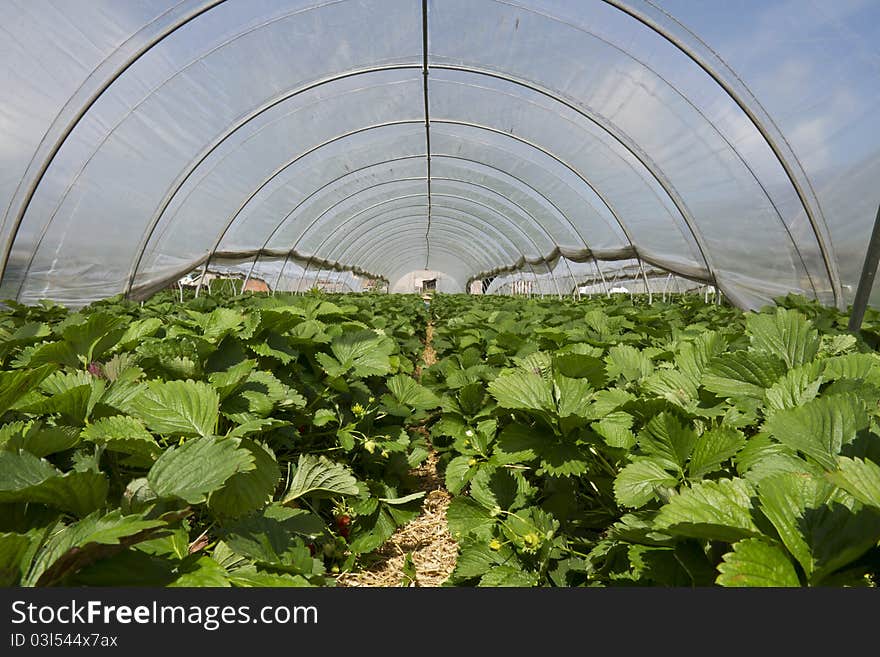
(545, 145)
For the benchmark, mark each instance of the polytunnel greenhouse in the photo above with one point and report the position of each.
(521, 293)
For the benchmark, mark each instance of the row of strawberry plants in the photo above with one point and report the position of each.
(246, 441)
(611, 442)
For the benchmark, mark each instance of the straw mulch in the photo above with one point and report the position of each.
(426, 538)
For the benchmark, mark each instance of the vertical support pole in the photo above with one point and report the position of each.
(602, 277)
(202, 278)
(645, 279)
(250, 272)
(866, 280)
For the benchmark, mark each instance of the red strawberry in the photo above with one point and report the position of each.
(342, 523)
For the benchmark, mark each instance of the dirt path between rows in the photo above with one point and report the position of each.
(425, 539)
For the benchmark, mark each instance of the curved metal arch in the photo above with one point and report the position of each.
(659, 29)
(115, 76)
(441, 248)
(409, 236)
(471, 231)
(392, 160)
(477, 257)
(355, 251)
(464, 199)
(435, 155)
(620, 138)
(386, 201)
(418, 156)
(420, 195)
(624, 142)
(385, 216)
(266, 181)
(526, 142)
(702, 115)
(63, 126)
(407, 207)
(369, 226)
(604, 201)
(403, 238)
(815, 215)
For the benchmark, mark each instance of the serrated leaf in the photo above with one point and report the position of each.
(14, 550)
(753, 562)
(860, 478)
(563, 459)
(665, 438)
(539, 363)
(21, 470)
(694, 356)
(188, 408)
(608, 401)
(381, 530)
(79, 544)
(519, 443)
(616, 429)
(14, 385)
(275, 346)
(573, 396)
(784, 498)
(508, 576)
(820, 428)
(227, 381)
(51, 352)
(93, 337)
(854, 367)
(714, 510)
(523, 390)
(466, 517)
(742, 373)
(25, 478)
(220, 322)
(318, 475)
(476, 558)
(498, 487)
(121, 433)
(250, 576)
(713, 448)
(365, 353)
(323, 416)
(638, 483)
(582, 366)
(795, 388)
(250, 490)
(39, 439)
(674, 386)
(257, 426)
(626, 361)
(411, 394)
(198, 467)
(459, 472)
(140, 329)
(73, 404)
(471, 398)
(786, 334)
